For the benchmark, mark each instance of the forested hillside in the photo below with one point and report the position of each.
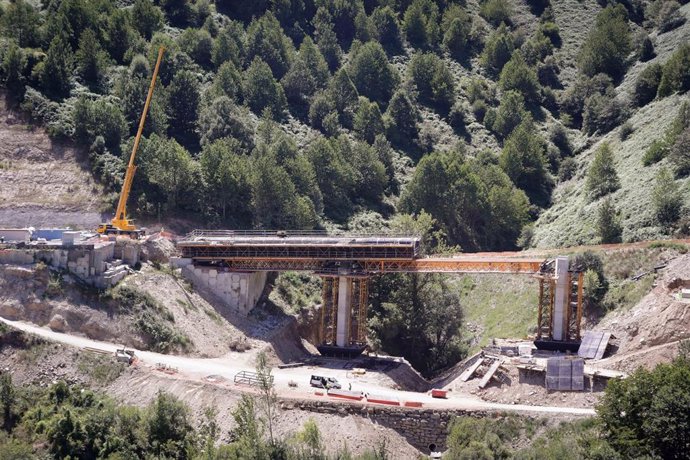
(340, 114)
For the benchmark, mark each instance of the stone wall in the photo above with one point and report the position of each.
(239, 291)
(420, 427)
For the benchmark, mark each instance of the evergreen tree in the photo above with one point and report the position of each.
(227, 82)
(368, 122)
(91, 59)
(119, 33)
(666, 198)
(498, 49)
(261, 91)
(146, 18)
(184, 97)
(266, 40)
(12, 67)
(518, 76)
(608, 44)
(371, 73)
(433, 80)
(387, 28)
(344, 95)
(308, 74)
(326, 39)
(522, 159)
(608, 223)
(55, 77)
(509, 115)
(402, 116)
(20, 21)
(226, 174)
(602, 178)
(229, 45)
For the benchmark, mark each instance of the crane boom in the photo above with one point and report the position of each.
(120, 224)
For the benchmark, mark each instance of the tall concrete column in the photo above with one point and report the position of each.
(560, 299)
(344, 301)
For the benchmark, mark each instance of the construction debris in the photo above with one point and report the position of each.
(594, 345)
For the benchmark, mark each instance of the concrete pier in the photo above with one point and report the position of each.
(344, 301)
(560, 300)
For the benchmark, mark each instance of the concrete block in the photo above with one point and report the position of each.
(685, 293)
(213, 273)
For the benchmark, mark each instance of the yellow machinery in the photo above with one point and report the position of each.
(121, 225)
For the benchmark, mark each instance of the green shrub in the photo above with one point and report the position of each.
(160, 336)
(646, 49)
(602, 178)
(496, 11)
(567, 169)
(680, 154)
(479, 110)
(457, 27)
(602, 113)
(551, 30)
(93, 118)
(675, 76)
(420, 24)
(669, 16)
(647, 84)
(559, 137)
(656, 152)
(626, 130)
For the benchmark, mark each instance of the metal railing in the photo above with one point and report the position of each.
(290, 233)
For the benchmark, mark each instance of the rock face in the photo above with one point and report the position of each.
(158, 250)
(58, 323)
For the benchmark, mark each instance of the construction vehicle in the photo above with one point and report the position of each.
(121, 224)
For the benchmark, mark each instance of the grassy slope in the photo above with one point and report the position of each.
(571, 219)
(501, 306)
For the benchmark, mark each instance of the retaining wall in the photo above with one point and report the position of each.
(239, 291)
(420, 427)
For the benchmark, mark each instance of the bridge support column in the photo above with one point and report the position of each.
(560, 300)
(344, 305)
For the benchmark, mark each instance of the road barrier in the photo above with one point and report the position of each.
(380, 399)
(344, 394)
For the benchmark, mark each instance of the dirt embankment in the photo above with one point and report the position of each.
(647, 333)
(44, 182)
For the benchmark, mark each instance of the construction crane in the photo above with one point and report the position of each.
(121, 224)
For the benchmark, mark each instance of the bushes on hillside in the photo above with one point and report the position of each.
(456, 26)
(602, 113)
(602, 178)
(647, 84)
(675, 75)
(99, 118)
(608, 44)
(496, 11)
(661, 147)
(644, 414)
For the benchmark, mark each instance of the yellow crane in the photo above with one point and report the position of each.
(120, 224)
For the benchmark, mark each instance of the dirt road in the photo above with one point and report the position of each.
(228, 366)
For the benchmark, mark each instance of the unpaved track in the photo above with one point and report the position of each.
(199, 368)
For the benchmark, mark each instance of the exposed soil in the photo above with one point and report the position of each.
(44, 182)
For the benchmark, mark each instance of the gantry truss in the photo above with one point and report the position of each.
(359, 257)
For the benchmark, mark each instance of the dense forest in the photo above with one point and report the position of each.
(308, 114)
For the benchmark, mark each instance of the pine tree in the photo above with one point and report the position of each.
(602, 178)
(608, 223)
(12, 67)
(57, 70)
(261, 91)
(91, 59)
(146, 18)
(666, 198)
(368, 122)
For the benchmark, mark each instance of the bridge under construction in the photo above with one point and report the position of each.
(347, 262)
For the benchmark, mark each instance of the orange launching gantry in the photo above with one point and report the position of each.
(121, 224)
(346, 263)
